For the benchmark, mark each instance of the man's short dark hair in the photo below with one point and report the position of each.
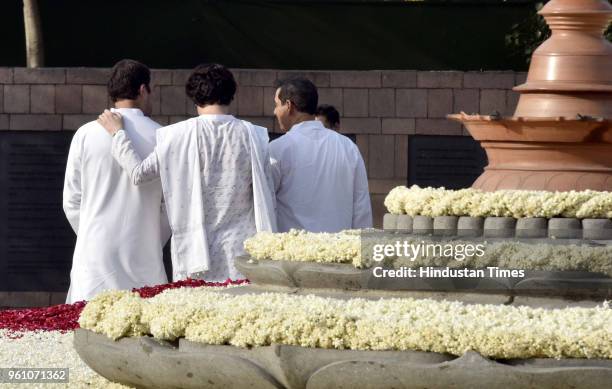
(126, 78)
(211, 84)
(301, 92)
(330, 113)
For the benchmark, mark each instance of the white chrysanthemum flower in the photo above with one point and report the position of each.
(496, 331)
(509, 203)
(356, 249)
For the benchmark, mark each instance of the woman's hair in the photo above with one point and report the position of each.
(211, 84)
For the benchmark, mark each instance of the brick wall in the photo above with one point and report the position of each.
(381, 107)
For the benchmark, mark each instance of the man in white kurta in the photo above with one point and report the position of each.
(319, 175)
(215, 174)
(118, 225)
(121, 229)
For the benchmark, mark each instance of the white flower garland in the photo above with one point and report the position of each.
(347, 246)
(509, 203)
(495, 331)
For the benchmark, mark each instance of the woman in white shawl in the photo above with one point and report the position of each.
(215, 175)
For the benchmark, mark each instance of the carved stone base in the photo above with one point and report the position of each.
(147, 363)
(564, 287)
(500, 179)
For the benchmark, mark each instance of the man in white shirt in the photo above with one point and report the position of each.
(215, 175)
(319, 176)
(121, 228)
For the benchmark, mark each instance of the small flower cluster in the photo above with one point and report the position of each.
(356, 248)
(508, 203)
(495, 331)
(299, 245)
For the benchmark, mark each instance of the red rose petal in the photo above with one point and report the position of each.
(64, 317)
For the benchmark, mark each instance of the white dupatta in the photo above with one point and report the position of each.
(180, 171)
(263, 192)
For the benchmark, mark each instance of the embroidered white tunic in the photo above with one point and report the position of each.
(216, 179)
(121, 229)
(320, 180)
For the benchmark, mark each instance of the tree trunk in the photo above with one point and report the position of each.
(33, 34)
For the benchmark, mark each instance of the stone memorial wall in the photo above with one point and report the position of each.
(382, 108)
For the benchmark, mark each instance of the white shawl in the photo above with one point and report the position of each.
(180, 174)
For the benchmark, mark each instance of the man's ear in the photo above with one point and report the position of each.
(143, 88)
(290, 106)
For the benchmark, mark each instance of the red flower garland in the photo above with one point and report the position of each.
(64, 317)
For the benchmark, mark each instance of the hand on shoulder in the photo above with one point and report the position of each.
(111, 121)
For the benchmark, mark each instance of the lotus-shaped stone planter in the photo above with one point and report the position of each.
(537, 288)
(144, 362)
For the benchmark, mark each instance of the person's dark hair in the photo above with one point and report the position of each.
(301, 92)
(126, 78)
(211, 84)
(330, 113)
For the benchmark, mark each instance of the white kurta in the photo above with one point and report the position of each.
(320, 180)
(215, 174)
(121, 229)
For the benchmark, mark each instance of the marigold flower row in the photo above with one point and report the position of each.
(494, 331)
(355, 247)
(507, 203)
